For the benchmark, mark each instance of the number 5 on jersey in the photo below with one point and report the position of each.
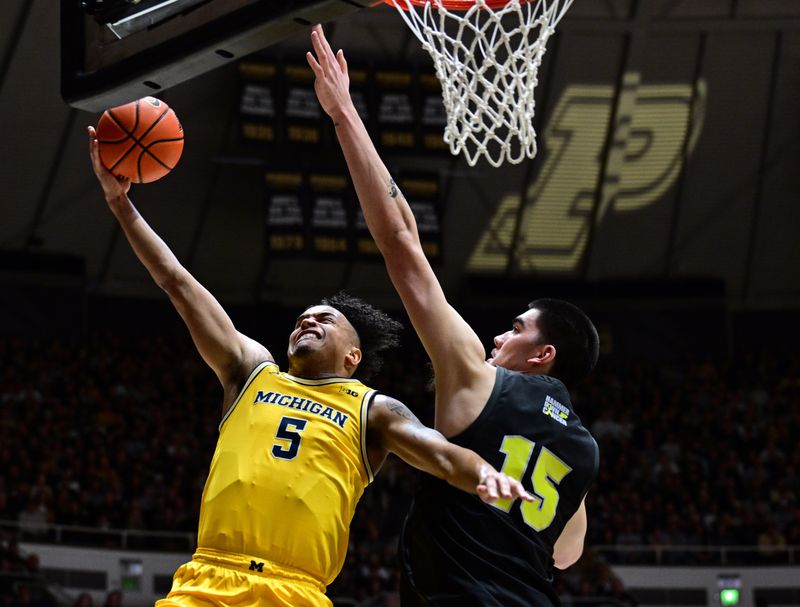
(289, 432)
(547, 473)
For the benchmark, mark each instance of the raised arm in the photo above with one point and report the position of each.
(229, 353)
(392, 427)
(457, 354)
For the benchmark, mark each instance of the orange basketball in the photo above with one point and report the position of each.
(141, 140)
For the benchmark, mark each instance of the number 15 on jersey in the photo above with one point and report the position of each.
(547, 474)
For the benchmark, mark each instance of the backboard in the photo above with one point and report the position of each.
(115, 51)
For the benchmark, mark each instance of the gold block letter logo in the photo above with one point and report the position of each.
(655, 125)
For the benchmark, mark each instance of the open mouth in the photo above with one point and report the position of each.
(306, 335)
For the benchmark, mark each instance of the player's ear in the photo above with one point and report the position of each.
(543, 355)
(352, 358)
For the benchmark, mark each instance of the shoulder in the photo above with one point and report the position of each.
(391, 424)
(527, 386)
(250, 355)
(246, 375)
(252, 358)
(253, 352)
(385, 408)
(547, 382)
(389, 419)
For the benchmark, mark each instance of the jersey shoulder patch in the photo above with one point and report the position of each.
(555, 410)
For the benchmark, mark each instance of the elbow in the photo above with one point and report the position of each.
(403, 256)
(563, 559)
(166, 282)
(170, 281)
(396, 239)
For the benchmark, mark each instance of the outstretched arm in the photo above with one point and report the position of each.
(229, 353)
(448, 339)
(394, 428)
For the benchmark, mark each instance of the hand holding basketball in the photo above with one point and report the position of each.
(113, 186)
(141, 140)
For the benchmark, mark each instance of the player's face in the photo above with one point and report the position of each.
(321, 332)
(516, 346)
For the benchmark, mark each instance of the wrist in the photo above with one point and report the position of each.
(115, 200)
(118, 203)
(345, 116)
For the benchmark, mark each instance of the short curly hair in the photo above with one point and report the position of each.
(377, 331)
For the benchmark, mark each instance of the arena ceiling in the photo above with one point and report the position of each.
(669, 147)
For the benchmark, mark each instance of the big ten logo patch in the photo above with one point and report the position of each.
(348, 391)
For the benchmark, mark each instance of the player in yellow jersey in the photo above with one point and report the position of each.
(296, 449)
(514, 408)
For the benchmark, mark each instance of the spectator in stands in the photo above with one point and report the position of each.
(113, 599)
(771, 544)
(32, 563)
(5, 507)
(93, 460)
(84, 600)
(34, 519)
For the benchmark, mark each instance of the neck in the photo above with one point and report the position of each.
(320, 375)
(307, 372)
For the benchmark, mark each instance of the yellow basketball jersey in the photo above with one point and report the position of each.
(289, 468)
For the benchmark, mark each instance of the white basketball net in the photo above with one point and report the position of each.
(487, 61)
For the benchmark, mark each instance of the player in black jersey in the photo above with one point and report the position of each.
(513, 409)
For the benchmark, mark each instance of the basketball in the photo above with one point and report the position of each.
(141, 140)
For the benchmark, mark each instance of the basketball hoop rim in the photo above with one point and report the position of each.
(452, 5)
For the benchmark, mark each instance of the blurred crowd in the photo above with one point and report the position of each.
(701, 453)
(23, 585)
(117, 432)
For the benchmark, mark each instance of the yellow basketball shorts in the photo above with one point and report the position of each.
(215, 579)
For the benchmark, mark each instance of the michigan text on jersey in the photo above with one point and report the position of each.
(302, 404)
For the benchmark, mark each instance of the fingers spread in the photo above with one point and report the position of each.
(504, 486)
(312, 62)
(491, 486)
(319, 49)
(500, 486)
(328, 50)
(519, 491)
(325, 55)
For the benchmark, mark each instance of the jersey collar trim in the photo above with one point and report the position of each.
(366, 402)
(320, 382)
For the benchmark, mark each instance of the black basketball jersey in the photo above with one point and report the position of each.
(458, 551)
